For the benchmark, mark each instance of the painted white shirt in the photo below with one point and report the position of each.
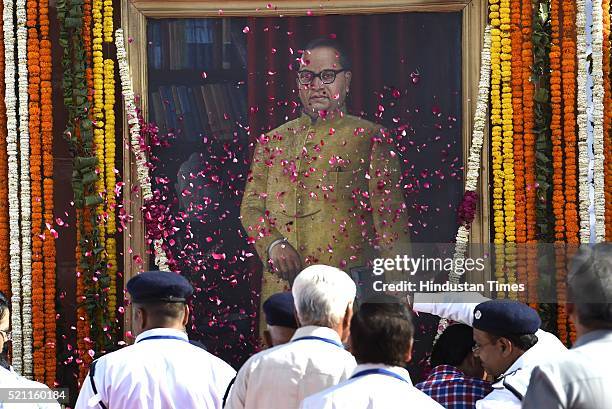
(281, 377)
(11, 380)
(460, 307)
(374, 391)
(158, 373)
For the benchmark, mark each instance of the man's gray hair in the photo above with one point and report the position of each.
(322, 294)
(590, 285)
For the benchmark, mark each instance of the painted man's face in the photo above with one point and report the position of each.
(318, 96)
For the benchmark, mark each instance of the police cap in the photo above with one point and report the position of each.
(278, 310)
(506, 317)
(159, 286)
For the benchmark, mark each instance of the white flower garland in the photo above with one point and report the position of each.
(10, 99)
(598, 114)
(475, 155)
(25, 191)
(142, 171)
(583, 151)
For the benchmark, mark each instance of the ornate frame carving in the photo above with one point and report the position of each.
(135, 12)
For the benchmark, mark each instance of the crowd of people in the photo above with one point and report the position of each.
(325, 352)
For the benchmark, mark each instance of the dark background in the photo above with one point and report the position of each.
(406, 76)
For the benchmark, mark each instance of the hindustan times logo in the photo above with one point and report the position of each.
(412, 265)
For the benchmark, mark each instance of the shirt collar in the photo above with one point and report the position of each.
(395, 369)
(446, 369)
(332, 120)
(162, 331)
(315, 331)
(596, 335)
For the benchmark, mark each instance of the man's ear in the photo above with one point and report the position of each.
(186, 315)
(267, 338)
(506, 347)
(140, 315)
(408, 353)
(348, 75)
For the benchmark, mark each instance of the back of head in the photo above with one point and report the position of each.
(5, 305)
(453, 346)
(382, 332)
(590, 285)
(322, 295)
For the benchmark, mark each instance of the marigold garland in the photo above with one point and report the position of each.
(109, 166)
(46, 91)
(529, 149)
(519, 154)
(568, 77)
(98, 110)
(38, 294)
(10, 98)
(24, 186)
(607, 123)
(5, 282)
(474, 159)
(583, 154)
(142, 171)
(598, 119)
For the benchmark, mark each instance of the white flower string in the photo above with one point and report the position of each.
(475, 155)
(24, 188)
(142, 171)
(10, 99)
(583, 153)
(598, 114)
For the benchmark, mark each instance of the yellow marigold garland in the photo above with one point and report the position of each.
(508, 144)
(496, 138)
(98, 109)
(109, 166)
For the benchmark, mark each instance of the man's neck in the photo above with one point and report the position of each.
(315, 116)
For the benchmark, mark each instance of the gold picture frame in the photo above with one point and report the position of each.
(134, 14)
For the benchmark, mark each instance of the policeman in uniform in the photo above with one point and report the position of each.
(280, 319)
(161, 369)
(508, 340)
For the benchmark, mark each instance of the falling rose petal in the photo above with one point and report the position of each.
(130, 40)
(209, 239)
(309, 13)
(269, 5)
(396, 93)
(218, 256)
(246, 29)
(91, 353)
(204, 74)
(59, 221)
(54, 233)
(426, 185)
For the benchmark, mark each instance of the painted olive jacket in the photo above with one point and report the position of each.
(330, 188)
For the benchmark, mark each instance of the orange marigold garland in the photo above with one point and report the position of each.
(557, 158)
(568, 76)
(38, 294)
(5, 284)
(519, 154)
(529, 150)
(46, 91)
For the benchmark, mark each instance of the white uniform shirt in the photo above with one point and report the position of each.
(581, 379)
(11, 380)
(158, 373)
(281, 377)
(373, 391)
(517, 376)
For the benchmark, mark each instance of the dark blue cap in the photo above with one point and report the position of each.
(278, 310)
(159, 286)
(506, 317)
